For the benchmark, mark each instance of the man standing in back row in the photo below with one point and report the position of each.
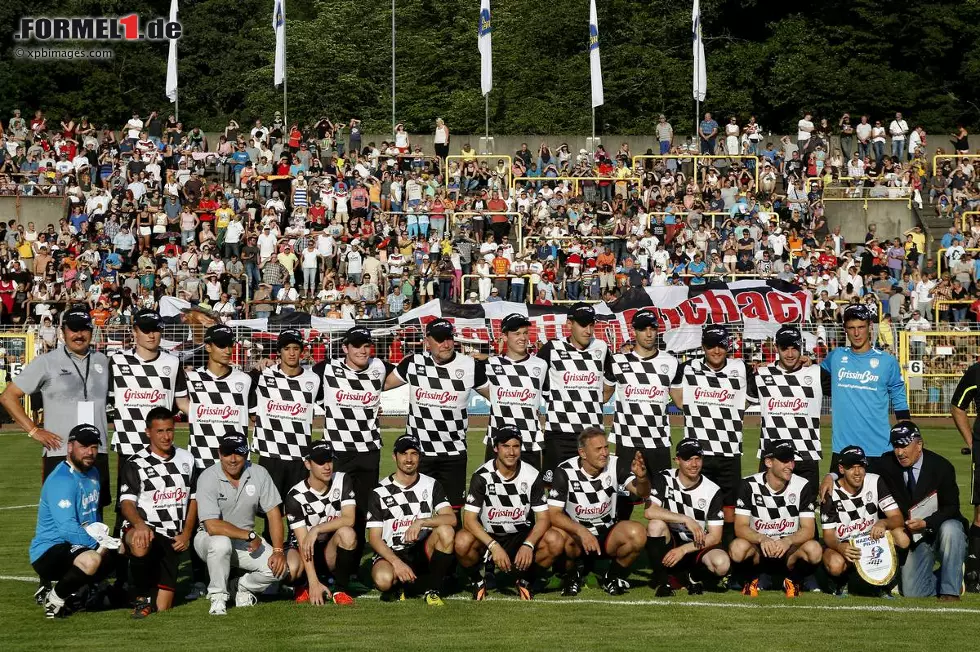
(575, 387)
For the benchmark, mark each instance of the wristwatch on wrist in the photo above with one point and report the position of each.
(252, 536)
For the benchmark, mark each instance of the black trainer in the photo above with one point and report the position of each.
(572, 585)
(664, 591)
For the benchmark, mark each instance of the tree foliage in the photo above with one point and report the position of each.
(768, 58)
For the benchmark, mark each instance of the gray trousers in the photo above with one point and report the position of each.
(221, 554)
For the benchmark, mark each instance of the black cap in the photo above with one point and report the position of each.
(789, 336)
(644, 319)
(357, 336)
(148, 321)
(582, 314)
(219, 335)
(514, 321)
(504, 434)
(903, 433)
(714, 335)
(407, 443)
(233, 444)
(857, 311)
(85, 434)
(77, 318)
(289, 336)
(440, 330)
(781, 449)
(320, 452)
(852, 455)
(688, 448)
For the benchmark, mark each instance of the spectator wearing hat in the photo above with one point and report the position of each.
(230, 495)
(924, 486)
(71, 544)
(685, 524)
(73, 383)
(863, 383)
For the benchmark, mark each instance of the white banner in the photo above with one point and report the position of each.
(171, 88)
(596, 67)
(700, 70)
(483, 42)
(279, 24)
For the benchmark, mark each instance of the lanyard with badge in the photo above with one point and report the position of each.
(86, 408)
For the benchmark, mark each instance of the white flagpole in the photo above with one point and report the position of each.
(171, 88)
(595, 66)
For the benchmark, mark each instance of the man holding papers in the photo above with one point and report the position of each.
(923, 484)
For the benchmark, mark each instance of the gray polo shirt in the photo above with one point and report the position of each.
(218, 498)
(69, 399)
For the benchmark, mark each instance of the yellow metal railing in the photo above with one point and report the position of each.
(697, 160)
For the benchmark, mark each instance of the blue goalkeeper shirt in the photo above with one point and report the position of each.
(861, 386)
(69, 502)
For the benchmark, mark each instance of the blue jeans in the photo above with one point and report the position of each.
(917, 577)
(516, 292)
(413, 229)
(863, 150)
(664, 147)
(708, 146)
(573, 290)
(898, 149)
(879, 150)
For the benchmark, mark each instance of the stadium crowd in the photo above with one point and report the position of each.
(273, 217)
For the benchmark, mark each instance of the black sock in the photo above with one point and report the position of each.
(616, 571)
(973, 550)
(346, 560)
(73, 580)
(656, 549)
(801, 570)
(439, 566)
(474, 573)
(727, 534)
(141, 587)
(560, 565)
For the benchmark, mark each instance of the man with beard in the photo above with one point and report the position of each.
(70, 543)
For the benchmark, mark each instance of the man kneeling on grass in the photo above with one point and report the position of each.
(410, 527)
(320, 512)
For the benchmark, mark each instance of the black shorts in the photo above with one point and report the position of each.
(557, 449)
(57, 560)
(689, 561)
(415, 557)
(532, 458)
(162, 562)
(726, 472)
(285, 474)
(450, 471)
(975, 477)
(319, 560)
(656, 459)
(511, 543)
(603, 537)
(809, 470)
(49, 464)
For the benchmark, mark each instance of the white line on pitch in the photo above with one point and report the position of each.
(19, 506)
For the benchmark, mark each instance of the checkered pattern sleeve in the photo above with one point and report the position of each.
(477, 495)
(294, 511)
(658, 489)
(716, 512)
(347, 491)
(829, 514)
(558, 494)
(375, 512)
(808, 500)
(743, 499)
(545, 354)
(402, 370)
(751, 390)
(253, 396)
(439, 499)
(180, 383)
(538, 502)
(886, 502)
(130, 483)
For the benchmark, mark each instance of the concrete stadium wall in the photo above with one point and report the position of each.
(892, 217)
(40, 210)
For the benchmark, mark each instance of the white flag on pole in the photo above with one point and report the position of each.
(486, 54)
(279, 24)
(597, 98)
(700, 71)
(171, 88)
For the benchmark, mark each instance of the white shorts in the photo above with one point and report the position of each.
(145, 231)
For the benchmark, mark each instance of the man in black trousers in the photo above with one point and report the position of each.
(937, 528)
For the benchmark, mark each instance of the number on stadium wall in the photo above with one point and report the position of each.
(916, 367)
